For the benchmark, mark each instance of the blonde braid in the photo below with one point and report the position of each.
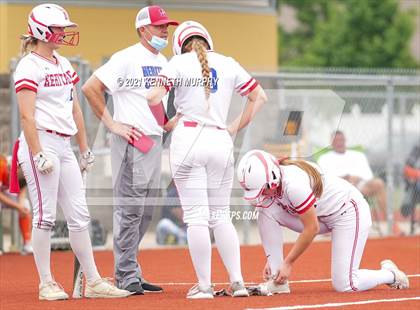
(200, 49)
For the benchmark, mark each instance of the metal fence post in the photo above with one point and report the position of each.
(246, 145)
(16, 241)
(390, 158)
(403, 114)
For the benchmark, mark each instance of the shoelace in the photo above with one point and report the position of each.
(109, 280)
(54, 285)
(193, 289)
(196, 288)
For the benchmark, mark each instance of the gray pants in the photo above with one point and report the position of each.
(136, 180)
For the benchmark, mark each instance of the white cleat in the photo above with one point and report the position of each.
(270, 288)
(27, 249)
(103, 288)
(52, 291)
(200, 292)
(238, 289)
(401, 280)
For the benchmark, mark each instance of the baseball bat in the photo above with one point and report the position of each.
(77, 268)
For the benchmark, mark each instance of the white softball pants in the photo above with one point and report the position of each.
(64, 185)
(202, 168)
(349, 229)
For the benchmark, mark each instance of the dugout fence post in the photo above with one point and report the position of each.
(16, 241)
(246, 226)
(390, 97)
(82, 68)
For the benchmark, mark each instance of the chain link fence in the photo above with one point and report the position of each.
(377, 110)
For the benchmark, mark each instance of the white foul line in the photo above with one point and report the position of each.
(339, 304)
(255, 283)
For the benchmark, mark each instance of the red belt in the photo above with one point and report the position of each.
(58, 133)
(195, 124)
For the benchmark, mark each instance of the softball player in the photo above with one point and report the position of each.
(201, 151)
(294, 194)
(50, 116)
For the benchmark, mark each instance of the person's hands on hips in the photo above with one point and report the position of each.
(126, 131)
(43, 163)
(283, 273)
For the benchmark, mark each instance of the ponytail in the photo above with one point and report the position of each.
(200, 48)
(27, 43)
(314, 175)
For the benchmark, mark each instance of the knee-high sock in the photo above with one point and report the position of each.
(82, 248)
(25, 223)
(41, 242)
(199, 245)
(367, 279)
(228, 246)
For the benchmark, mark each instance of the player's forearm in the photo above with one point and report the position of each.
(4, 199)
(97, 103)
(245, 118)
(254, 104)
(170, 125)
(31, 134)
(155, 96)
(304, 240)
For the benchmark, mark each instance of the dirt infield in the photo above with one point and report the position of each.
(173, 269)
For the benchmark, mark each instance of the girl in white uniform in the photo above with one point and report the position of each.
(50, 116)
(201, 152)
(295, 195)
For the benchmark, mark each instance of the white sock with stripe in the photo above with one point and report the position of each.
(82, 248)
(199, 245)
(227, 243)
(367, 279)
(41, 244)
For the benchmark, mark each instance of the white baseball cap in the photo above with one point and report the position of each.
(153, 15)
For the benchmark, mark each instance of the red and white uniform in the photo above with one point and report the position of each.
(296, 194)
(201, 150)
(53, 84)
(341, 210)
(227, 77)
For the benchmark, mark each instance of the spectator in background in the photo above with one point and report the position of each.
(354, 167)
(18, 202)
(412, 178)
(171, 229)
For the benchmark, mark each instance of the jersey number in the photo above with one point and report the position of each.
(214, 80)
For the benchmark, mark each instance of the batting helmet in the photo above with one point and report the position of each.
(257, 171)
(45, 16)
(187, 30)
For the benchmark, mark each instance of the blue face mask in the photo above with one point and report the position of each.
(157, 43)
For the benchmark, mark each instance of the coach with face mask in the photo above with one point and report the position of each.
(136, 139)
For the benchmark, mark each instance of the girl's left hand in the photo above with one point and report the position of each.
(284, 273)
(171, 124)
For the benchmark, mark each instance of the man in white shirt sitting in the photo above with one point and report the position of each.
(354, 167)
